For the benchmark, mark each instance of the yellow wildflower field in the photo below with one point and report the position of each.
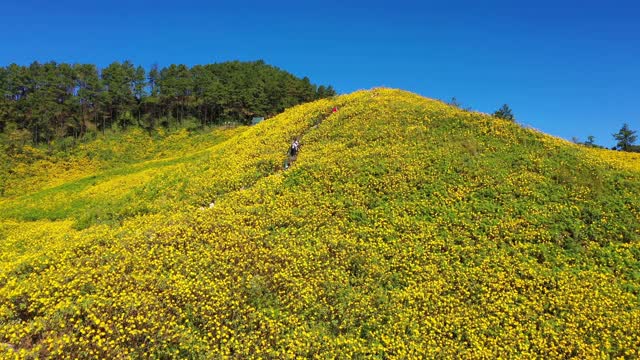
(403, 228)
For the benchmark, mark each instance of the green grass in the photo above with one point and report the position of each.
(75, 200)
(405, 228)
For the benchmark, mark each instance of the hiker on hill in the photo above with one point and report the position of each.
(293, 151)
(335, 109)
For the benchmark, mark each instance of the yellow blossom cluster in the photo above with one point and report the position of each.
(404, 228)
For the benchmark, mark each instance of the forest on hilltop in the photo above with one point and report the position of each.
(47, 101)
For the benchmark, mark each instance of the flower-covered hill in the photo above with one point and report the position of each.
(404, 228)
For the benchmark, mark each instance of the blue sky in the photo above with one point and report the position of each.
(568, 68)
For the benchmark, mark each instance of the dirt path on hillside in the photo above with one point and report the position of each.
(292, 156)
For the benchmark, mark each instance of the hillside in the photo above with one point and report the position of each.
(405, 228)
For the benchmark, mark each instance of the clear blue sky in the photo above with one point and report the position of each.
(568, 68)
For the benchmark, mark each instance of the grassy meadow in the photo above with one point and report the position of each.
(405, 228)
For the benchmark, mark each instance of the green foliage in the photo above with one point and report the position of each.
(591, 142)
(625, 137)
(457, 104)
(5, 168)
(504, 113)
(51, 101)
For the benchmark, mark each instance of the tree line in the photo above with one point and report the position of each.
(46, 101)
(625, 140)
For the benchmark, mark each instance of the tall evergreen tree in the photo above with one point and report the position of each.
(150, 103)
(625, 137)
(138, 86)
(5, 102)
(504, 113)
(119, 85)
(89, 88)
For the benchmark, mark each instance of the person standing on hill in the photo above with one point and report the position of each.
(293, 151)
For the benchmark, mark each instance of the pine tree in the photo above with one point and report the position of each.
(89, 88)
(625, 137)
(504, 113)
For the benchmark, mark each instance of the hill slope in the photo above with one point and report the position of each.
(405, 227)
